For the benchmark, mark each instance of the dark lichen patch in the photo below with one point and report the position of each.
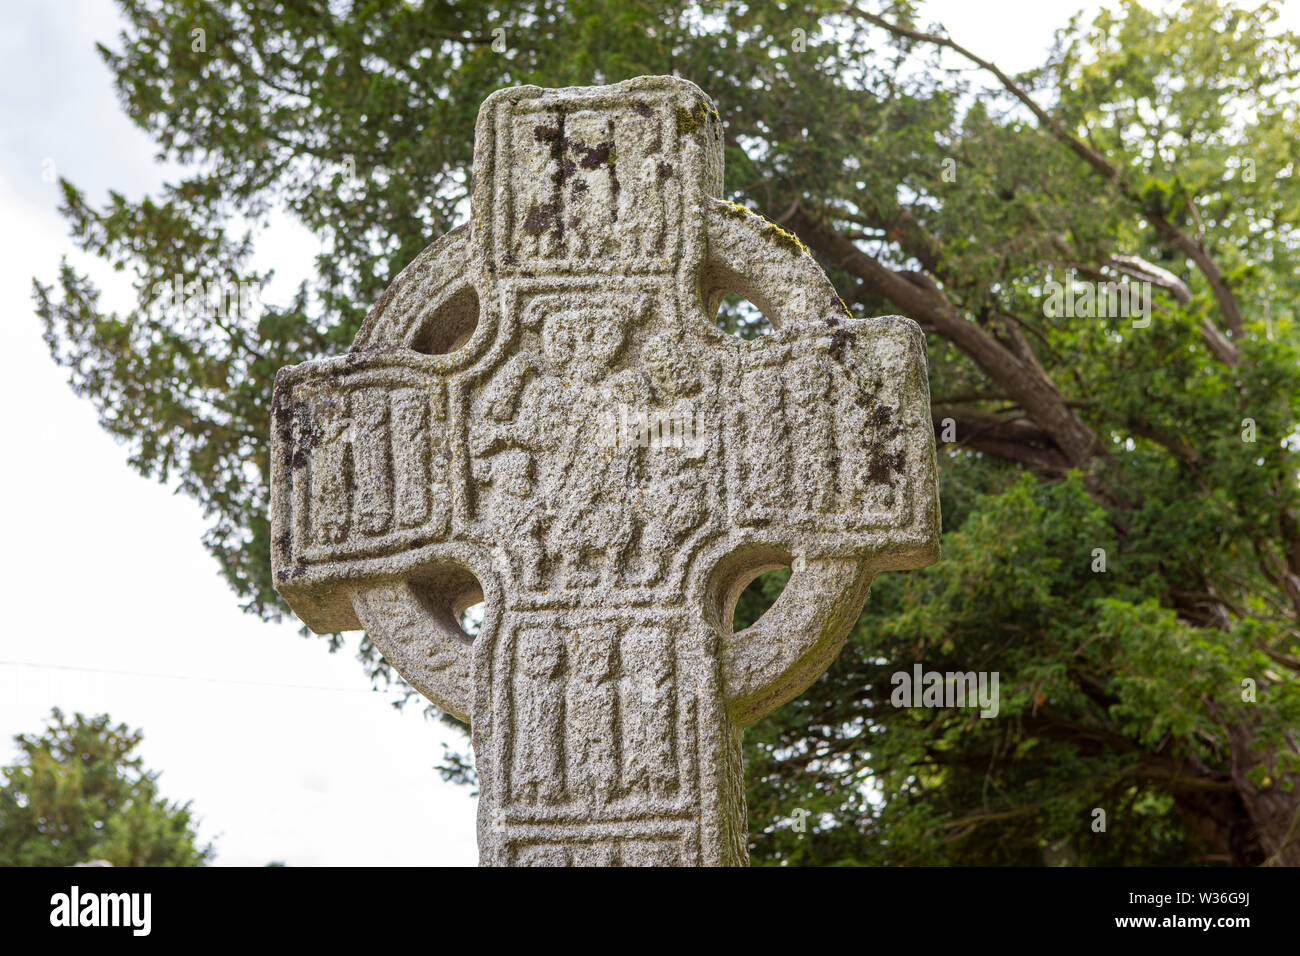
(839, 342)
(296, 421)
(642, 108)
(554, 138)
(665, 170)
(592, 157)
(883, 467)
(882, 415)
(282, 413)
(786, 240)
(541, 217)
(579, 187)
(548, 134)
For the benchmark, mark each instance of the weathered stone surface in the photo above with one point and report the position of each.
(486, 438)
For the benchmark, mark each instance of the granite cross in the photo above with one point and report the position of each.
(540, 414)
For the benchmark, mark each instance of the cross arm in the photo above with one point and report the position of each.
(857, 410)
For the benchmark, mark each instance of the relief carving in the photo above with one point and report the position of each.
(539, 709)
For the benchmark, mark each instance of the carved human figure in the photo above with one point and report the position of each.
(538, 766)
(413, 484)
(766, 464)
(501, 397)
(591, 715)
(675, 503)
(371, 461)
(652, 211)
(327, 438)
(593, 526)
(647, 713)
(808, 413)
(555, 414)
(590, 185)
(642, 212)
(503, 446)
(537, 177)
(516, 513)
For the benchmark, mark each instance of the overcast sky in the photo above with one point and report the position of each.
(284, 750)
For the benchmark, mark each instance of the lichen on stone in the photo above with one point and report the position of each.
(736, 211)
(691, 120)
(786, 240)
(770, 231)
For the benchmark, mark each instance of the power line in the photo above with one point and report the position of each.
(181, 677)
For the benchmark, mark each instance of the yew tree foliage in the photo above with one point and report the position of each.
(1149, 146)
(79, 792)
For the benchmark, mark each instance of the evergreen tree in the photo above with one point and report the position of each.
(80, 793)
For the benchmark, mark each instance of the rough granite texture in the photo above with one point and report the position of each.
(539, 413)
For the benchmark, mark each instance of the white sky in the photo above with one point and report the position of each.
(106, 571)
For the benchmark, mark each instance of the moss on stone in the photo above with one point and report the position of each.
(786, 240)
(736, 211)
(693, 119)
(770, 231)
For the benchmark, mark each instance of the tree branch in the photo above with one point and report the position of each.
(1165, 229)
(919, 297)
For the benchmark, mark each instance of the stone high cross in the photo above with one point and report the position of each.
(539, 413)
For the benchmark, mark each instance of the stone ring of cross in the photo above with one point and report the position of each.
(540, 413)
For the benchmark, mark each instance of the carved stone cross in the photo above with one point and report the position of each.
(539, 413)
